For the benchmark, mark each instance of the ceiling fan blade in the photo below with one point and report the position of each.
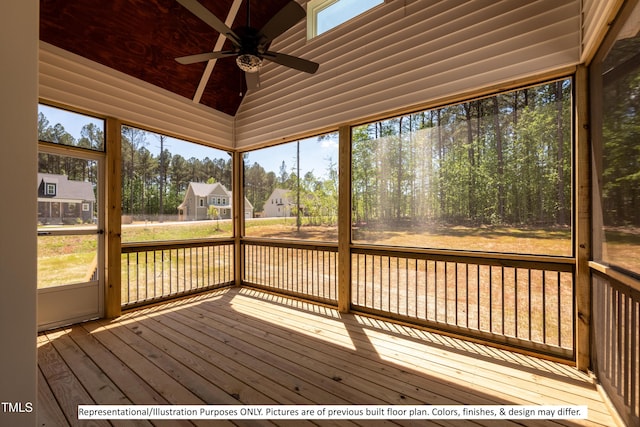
(201, 57)
(253, 80)
(284, 19)
(210, 19)
(292, 62)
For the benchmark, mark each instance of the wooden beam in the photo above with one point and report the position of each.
(583, 221)
(344, 220)
(206, 74)
(238, 215)
(113, 213)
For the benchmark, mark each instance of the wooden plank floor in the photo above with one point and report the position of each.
(242, 346)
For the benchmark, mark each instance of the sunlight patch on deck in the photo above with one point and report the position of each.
(329, 315)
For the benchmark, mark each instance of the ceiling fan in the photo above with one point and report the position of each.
(250, 45)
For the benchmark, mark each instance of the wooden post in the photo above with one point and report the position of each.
(344, 220)
(583, 221)
(113, 213)
(238, 215)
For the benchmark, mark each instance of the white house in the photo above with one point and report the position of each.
(200, 197)
(279, 204)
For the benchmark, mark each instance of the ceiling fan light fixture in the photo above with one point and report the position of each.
(249, 63)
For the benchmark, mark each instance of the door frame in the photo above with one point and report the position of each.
(72, 303)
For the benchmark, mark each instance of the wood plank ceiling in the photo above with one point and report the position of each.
(141, 38)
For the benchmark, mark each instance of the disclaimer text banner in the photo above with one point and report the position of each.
(329, 412)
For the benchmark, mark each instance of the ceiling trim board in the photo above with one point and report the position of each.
(218, 46)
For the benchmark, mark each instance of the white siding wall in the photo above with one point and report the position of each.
(77, 82)
(404, 53)
(18, 170)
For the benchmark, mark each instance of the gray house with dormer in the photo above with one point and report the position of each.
(201, 198)
(64, 201)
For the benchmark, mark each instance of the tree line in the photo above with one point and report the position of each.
(91, 137)
(152, 184)
(155, 184)
(620, 165)
(502, 160)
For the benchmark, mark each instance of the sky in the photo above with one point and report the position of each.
(314, 154)
(342, 11)
(72, 122)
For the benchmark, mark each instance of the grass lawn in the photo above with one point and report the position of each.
(67, 259)
(622, 247)
(158, 231)
(556, 241)
(436, 291)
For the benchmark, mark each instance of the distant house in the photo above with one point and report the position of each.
(279, 204)
(64, 201)
(200, 197)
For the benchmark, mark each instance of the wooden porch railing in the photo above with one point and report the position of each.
(307, 270)
(520, 301)
(615, 340)
(524, 302)
(162, 270)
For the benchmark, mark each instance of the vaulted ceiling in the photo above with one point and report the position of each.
(142, 38)
(116, 59)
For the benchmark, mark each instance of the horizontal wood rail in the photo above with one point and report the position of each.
(557, 263)
(295, 244)
(616, 275)
(155, 271)
(131, 247)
